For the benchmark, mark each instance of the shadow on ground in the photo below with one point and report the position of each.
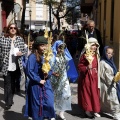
(11, 115)
(106, 116)
(76, 111)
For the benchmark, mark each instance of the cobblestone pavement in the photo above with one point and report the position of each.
(17, 110)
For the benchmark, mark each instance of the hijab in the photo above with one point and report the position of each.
(109, 61)
(72, 72)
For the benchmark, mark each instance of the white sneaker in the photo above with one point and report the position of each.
(88, 114)
(61, 114)
(97, 115)
(52, 118)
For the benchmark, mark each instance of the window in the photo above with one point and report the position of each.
(27, 1)
(112, 20)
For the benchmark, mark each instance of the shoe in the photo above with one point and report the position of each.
(52, 119)
(17, 90)
(97, 115)
(7, 107)
(62, 118)
(61, 114)
(12, 103)
(89, 114)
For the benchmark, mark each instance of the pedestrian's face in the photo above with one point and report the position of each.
(60, 49)
(91, 26)
(12, 29)
(109, 53)
(94, 47)
(30, 45)
(42, 48)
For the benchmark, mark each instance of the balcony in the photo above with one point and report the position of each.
(87, 6)
(7, 6)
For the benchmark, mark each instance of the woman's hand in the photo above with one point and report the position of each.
(19, 53)
(89, 66)
(56, 74)
(42, 82)
(45, 75)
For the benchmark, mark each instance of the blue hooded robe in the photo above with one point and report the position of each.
(71, 72)
(40, 98)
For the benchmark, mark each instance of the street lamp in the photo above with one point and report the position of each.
(30, 18)
(30, 23)
(50, 14)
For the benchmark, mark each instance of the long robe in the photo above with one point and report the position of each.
(40, 98)
(88, 91)
(109, 99)
(61, 86)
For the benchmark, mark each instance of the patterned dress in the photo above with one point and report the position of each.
(60, 85)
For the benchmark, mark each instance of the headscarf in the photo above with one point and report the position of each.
(109, 61)
(72, 72)
(92, 41)
(112, 64)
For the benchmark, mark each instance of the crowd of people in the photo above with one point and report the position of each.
(48, 93)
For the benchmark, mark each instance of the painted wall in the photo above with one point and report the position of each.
(106, 25)
(89, 1)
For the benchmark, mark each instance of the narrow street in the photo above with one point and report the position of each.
(17, 110)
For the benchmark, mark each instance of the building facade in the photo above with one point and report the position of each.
(105, 13)
(108, 22)
(6, 7)
(38, 18)
(36, 15)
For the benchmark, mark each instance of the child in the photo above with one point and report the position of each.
(109, 99)
(40, 98)
(88, 82)
(59, 79)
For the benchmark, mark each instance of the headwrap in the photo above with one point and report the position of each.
(112, 64)
(72, 72)
(109, 61)
(90, 42)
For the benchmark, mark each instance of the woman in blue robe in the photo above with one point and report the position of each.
(40, 98)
